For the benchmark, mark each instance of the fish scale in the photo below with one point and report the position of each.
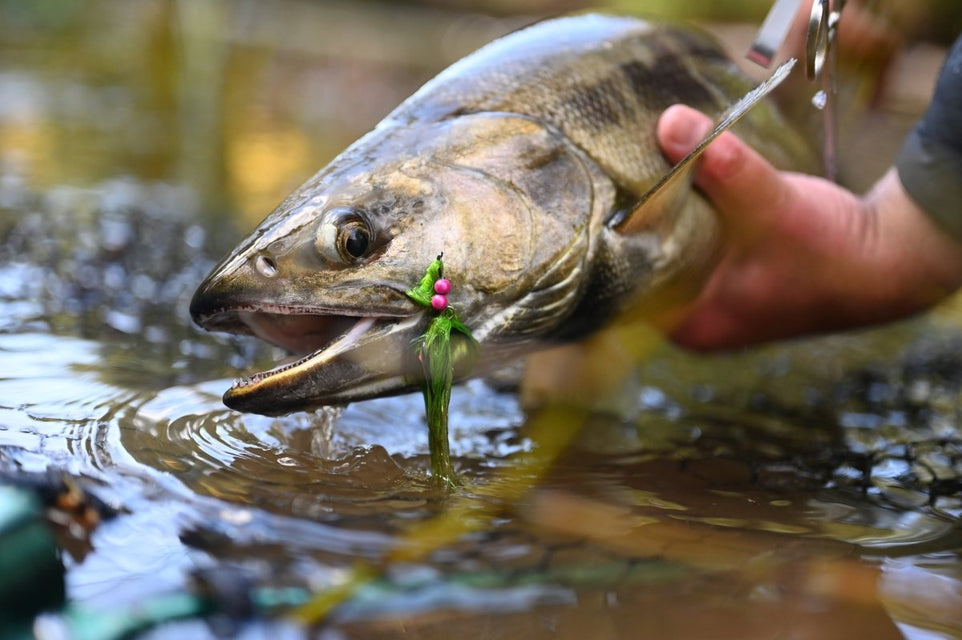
(580, 71)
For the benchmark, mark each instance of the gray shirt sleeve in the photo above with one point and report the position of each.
(930, 161)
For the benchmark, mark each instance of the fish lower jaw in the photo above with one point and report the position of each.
(344, 342)
(367, 359)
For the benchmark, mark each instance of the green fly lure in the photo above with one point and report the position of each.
(446, 342)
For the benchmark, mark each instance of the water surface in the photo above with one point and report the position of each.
(806, 491)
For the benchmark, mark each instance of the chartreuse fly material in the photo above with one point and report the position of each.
(446, 341)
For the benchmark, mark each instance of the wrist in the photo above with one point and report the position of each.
(923, 259)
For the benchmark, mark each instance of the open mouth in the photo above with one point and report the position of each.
(337, 359)
(304, 336)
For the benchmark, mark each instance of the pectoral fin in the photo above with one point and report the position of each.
(673, 188)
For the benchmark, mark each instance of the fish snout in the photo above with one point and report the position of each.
(214, 303)
(208, 304)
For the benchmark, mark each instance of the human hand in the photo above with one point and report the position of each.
(800, 254)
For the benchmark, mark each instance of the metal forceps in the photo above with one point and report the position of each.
(820, 54)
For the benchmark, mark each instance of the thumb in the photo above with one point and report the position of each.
(739, 181)
(680, 128)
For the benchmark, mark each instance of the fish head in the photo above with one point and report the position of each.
(507, 200)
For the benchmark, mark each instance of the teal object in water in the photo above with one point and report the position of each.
(31, 572)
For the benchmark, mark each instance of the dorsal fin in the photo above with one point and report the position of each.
(674, 185)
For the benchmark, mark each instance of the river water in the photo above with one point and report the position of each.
(809, 490)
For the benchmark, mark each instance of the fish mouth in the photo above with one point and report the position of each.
(337, 358)
(299, 332)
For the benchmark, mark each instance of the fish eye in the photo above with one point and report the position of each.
(356, 240)
(343, 236)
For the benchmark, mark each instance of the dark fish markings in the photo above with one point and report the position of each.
(603, 104)
(666, 82)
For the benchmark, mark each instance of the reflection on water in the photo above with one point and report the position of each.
(758, 533)
(807, 491)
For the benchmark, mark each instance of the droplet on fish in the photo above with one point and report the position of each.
(820, 99)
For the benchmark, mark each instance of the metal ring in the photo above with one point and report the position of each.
(816, 42)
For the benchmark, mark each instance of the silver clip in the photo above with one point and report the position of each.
(820, 40)
(816, 41)
(820, 54)
(821, 60)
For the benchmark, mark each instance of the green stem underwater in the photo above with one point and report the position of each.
(437, 399)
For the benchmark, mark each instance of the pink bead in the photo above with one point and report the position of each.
(439, 302)
(442, 286)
